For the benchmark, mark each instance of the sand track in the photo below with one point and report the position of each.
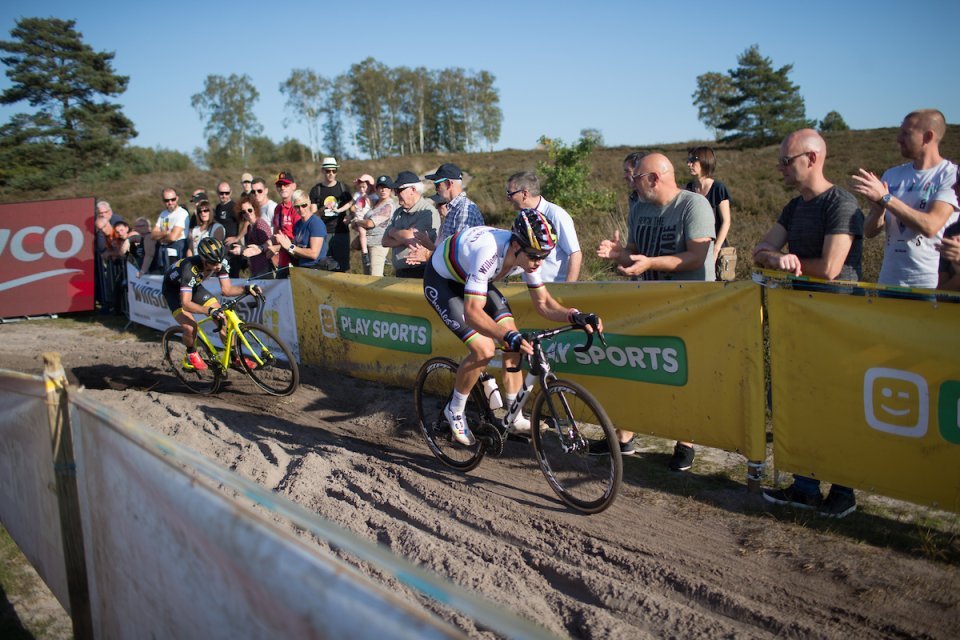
(684, 556)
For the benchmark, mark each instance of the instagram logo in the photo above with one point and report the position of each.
(896, 401)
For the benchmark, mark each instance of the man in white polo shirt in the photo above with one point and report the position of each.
(563, 264)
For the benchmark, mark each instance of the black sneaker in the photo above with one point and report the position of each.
(682, 457)
(793, 498)
(601, 448)
(838, 504)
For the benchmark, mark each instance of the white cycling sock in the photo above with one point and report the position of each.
(509, 398)
(458, 402)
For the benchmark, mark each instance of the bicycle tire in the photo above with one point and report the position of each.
(433, 390)
(279, 374)
(202, 382)
(584, 482)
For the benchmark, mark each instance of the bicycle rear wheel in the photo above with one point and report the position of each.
(566, 420)
(267, 360)
(175, 356)
(433, 391)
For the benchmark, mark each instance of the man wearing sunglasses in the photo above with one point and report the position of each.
(285, 216)
(261, 195)
(333, 200)
(563, 265)
(670, 237)
(170, 230)
(458, 284)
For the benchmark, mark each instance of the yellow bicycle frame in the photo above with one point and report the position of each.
(233, 323)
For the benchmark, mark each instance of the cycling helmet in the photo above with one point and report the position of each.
(211, 250)
(532, 230)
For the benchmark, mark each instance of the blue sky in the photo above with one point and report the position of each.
(625, 68)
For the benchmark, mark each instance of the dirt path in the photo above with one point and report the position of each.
(678, 555)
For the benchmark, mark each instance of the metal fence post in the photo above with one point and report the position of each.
(64, 466)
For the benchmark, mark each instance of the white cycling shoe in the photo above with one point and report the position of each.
(458, 427)
(519, 425)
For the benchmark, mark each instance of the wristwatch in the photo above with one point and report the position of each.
(290, 249)
(885, 200)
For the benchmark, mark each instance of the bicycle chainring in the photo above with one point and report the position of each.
(492, 437)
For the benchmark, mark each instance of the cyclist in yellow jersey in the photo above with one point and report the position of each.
(186, 295)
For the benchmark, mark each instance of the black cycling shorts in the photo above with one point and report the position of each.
(172, 294)
(446, 298)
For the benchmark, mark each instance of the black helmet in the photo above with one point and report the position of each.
(532, 230)
(211, 250)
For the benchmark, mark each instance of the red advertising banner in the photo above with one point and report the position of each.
(46, 257)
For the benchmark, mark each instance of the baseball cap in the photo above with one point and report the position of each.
(446, 171)
(385, 181)
(285, 177)
(406, 179)
(329, 163)
(246, 178)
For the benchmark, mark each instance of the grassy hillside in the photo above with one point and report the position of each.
(750, 174)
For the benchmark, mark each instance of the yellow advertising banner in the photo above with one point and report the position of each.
(683, 360)
(866, 392)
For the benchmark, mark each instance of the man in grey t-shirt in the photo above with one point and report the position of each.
(670, 235)
(670, 231)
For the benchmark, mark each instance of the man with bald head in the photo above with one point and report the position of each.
(670, 233)
(912, 202)
(670, 230)
(823, 228)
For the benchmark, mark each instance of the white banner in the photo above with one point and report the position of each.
(28, 499)
(169, 555)
(148, 306)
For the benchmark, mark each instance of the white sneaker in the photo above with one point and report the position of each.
(459, 428)
(519, 425)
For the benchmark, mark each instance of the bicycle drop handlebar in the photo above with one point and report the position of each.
(538, 336)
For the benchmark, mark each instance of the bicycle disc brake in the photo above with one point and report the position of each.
(491, 437)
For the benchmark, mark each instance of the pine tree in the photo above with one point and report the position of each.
(74, 128)
(763, 106)
(833, 121)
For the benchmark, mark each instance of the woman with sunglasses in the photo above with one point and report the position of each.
(256, 238)
(309, 245)
(205, 227)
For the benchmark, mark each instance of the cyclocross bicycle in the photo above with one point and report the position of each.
(253, 348)
(566, 419)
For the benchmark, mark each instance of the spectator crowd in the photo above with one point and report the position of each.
(672, 233)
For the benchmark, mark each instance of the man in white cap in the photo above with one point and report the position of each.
(416, 213)
(246, 181)
(333, 200)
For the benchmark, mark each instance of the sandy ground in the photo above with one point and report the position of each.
(677, 555)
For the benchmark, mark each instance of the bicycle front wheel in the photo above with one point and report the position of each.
(267, 360)
(205, 381)
(566, 420)
(434, 388)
